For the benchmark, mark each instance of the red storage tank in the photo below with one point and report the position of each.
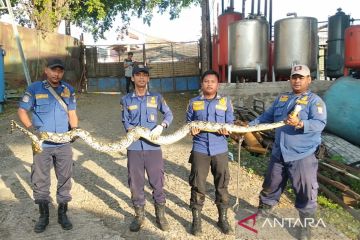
(271, 61)
(352, 47)
(224, 21)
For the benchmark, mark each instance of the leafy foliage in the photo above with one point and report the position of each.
(94, 16)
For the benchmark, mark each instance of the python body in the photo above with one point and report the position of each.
(136, 133)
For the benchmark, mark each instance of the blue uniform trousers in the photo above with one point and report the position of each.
(303, 176)
(200, 164)
(61, 158)
(152, 162)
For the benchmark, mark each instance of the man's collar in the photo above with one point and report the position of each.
(216, 97)
(134, 94)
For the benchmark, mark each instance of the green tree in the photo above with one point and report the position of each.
(94, 16)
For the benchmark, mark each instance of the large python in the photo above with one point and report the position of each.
(136, 133)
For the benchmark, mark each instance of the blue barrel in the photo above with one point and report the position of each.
(343, 108)
(2, 79)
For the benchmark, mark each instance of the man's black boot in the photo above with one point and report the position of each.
(305, 228)
(196, 223)
(264, 210)
(43, 221)
(62, 217)
(139, 218)
(223, 222)
(160, 216)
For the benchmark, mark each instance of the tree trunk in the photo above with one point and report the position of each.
(206, 36)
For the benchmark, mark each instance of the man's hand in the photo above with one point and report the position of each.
(194, 131)
(294, 121)
(34, 131)
(156, 132)
(76, 137)
(223, 131)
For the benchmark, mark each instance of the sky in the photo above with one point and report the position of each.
(188, 26)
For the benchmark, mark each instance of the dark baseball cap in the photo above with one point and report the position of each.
(140, 68)
(55, 62)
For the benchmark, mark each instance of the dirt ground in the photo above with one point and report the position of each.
(101, 206)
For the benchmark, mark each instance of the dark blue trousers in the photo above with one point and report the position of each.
(303, 176)
(61, 158)
(152, 162)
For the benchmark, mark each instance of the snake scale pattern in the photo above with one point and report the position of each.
(136, 133)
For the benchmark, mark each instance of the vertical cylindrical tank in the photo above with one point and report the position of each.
(224, 21)
(2, 79)
(342, 102)
(335, 44)
(296, 42)
(352, 47)
(248, 47)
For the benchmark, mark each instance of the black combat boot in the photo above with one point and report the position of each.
(305, 229)
(40, 226)
(196, 223)
(264, 210)
(139, 218)
(160, 216)
(223, 222)
(62, 217)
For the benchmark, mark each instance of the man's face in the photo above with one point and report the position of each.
(141, 79)
(130, 56)
(210, 84)
(299, 83)
(54, 75)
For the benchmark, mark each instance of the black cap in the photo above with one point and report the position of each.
(140, 68)
(55, 62)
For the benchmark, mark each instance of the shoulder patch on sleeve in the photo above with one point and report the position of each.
(319, 108)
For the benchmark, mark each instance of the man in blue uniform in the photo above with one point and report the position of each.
(53, 107)
(209, 150)
(294, 147)
(140, 108)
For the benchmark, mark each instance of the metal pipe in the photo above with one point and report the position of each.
(2, 80)
(265, 9)
(252, 7)
(258, 7)
(258, 70)
(270, 20)
(232, 5)
(222, 6)
(273, 73)
(229, 73)
(243, 8)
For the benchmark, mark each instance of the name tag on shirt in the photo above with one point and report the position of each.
(284, 98)
(198, 105)
(132, 107)
(40, 96)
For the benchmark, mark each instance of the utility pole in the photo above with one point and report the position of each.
(206, 36)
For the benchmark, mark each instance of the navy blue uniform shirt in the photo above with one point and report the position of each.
(143, 111)
(218, 110)
(290, 142)
(47, 113)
